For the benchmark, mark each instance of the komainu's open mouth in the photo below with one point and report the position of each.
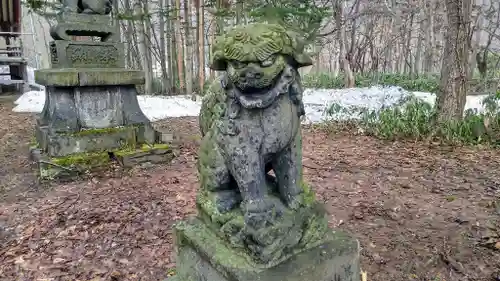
(254, 91)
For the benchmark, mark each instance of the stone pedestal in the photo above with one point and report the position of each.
(202, 255)
(91, 113)
(90, 98)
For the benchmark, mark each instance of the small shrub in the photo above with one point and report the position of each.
(409, 119)
(420, 83)
(412, 118)
(424, 83)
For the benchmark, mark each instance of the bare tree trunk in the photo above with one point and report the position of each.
(408, 61)
(201, 45)
(163, 52)
(219, 20)
(453, 88)
(170, 45)
(144, 51)
(417, 66)
(189, 48)
(179, 49)
(429, 37)
(389, 54)
(131, 40)
(116, 19)
(148, 41)
(386, 44)
(353, 41)
(341, 37)
(239, 12)
(138, 62)
(211, 40)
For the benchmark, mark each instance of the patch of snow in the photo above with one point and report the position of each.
(161, 107)
(316, 102)
(154, 107)
(31, 97)
(475, 102)
(427, 97)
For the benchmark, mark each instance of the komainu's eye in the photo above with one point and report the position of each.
(238, 64)
(269, 61)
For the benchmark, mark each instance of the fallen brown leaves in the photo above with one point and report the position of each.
(108, 228)
(402, 200)
(419, 211)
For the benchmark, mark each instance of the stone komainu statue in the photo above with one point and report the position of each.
(250, 123)
(102, 7)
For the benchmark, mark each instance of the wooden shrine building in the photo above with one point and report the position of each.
(13, 65)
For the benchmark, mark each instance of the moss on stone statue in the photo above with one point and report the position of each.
(202, 255)
(213, 106)
(309, 221)
(256, 42)
(314, 235)
(206, 205)
(281, 221)
(309, 196)
(206, 161)
(223, 255)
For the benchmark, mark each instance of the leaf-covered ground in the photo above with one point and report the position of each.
(420, 212)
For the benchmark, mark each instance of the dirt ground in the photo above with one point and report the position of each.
(420, 212)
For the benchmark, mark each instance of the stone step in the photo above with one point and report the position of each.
(12, 60)
(11, 82)
(12, 51)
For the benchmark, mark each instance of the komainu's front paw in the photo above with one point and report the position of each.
(260, 213)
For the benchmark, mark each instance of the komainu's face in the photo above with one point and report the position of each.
(256, 76)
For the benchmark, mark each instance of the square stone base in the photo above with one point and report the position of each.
(201, 255)
(73, 77)
(75, 164)
(92, 140)
(58, 155)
